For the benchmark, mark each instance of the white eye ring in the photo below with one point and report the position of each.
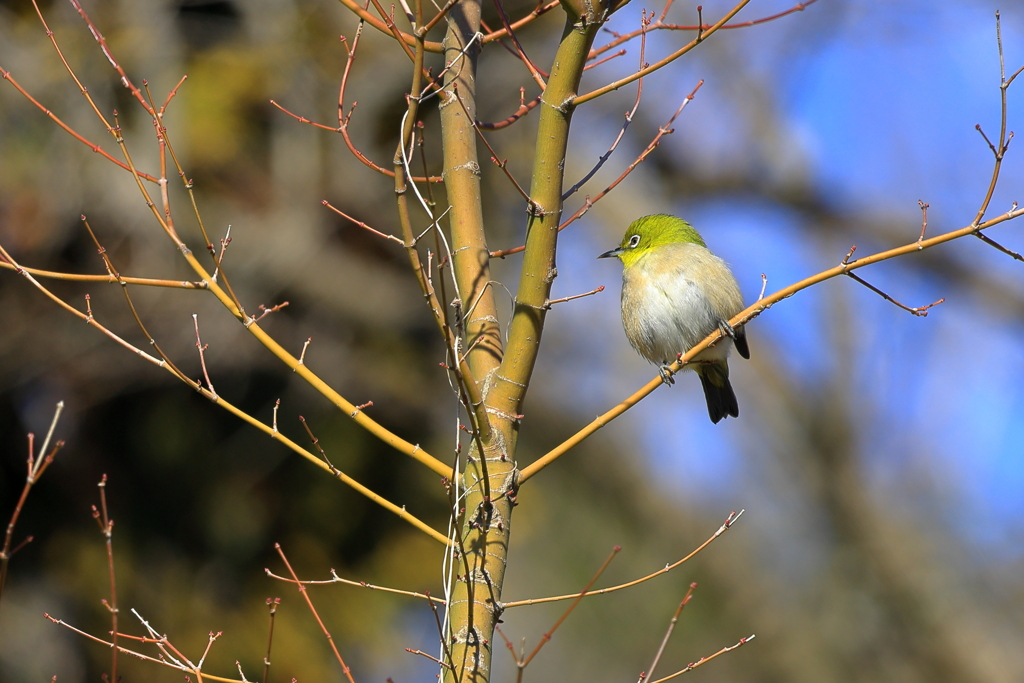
(634, 240)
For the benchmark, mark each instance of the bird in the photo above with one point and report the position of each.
(675, 292)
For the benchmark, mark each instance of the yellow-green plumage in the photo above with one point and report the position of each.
(675, 292)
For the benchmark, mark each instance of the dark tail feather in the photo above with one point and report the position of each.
(718, 391)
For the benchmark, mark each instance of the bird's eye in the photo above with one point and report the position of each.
(634, 240)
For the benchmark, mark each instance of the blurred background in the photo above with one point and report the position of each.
(878, 455)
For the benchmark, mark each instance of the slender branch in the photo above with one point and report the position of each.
(667, 60)
(524, 109)
(36, 467)
(68, 129)
(361, 224)
(921, 311)
(991, 242)
(359, 584)
(272, 605)
(309, 603)
(343, 129)
(164, 659)
(75, 277)
(729, 521)
(520, 52)
(106, 524)
(502, 164)
(406, 39)
(565, 615)
(515, 25)
(668, 633)
(704, 660)
(592, 292)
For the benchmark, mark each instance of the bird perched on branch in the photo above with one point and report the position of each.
(675, 292)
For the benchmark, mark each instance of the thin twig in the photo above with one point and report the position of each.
(272, 605)
(921, 311)
(106, 524)
(309, 603)
(729, 521)
(35, 469)
(668, 633)
(662, 132)
(552, 302)
(704, 660)
(362, 224)
(645, 21)
(547, 636)
(202, 356)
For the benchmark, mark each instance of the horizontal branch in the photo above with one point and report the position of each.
(75, 277)
(359, 584)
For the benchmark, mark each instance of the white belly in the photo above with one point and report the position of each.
(666, 313)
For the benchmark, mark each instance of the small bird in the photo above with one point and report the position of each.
(675, 292)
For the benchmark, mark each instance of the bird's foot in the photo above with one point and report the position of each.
(727, 329)
(666, 374)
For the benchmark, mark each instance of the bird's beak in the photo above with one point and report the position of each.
(613, 252)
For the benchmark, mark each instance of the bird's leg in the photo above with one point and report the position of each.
(727, 329)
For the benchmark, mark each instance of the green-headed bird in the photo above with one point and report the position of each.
(675, 293)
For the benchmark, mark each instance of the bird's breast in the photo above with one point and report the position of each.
(665, 311)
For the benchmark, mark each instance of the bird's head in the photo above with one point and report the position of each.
(651, 232)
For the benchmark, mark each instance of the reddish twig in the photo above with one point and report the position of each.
(106, 524)
(170, 95)
(534, 71)
(547, 636)
(267, 311)
(110, 58)
(202, 356)
(668, 634)
(1004, 140)
(599, 62)
(68, 129)
(524, 109)
(552, 302)
(992, 243)
(36, 468)
(272, 605)
(362, 224)
(309, 603)
(924, 219)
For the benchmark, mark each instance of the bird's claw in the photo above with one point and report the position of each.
(727, 329)
(666, 375)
